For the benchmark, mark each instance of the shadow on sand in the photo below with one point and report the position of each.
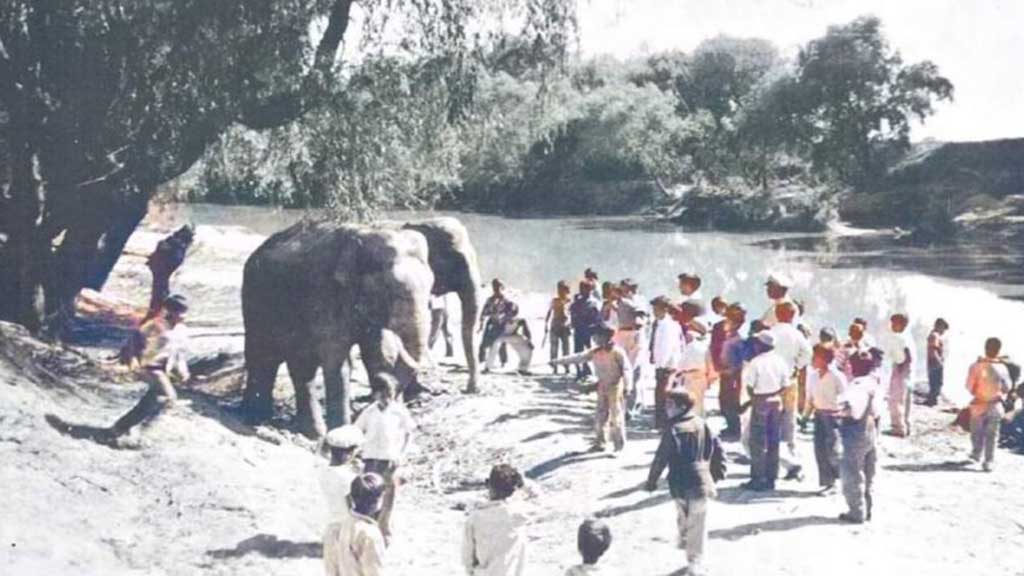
(946, 466)
(778, 525)
(269, 546)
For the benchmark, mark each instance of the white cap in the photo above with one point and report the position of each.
(779, 279)
(347, 436)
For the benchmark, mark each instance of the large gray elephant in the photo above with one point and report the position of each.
(312, 291)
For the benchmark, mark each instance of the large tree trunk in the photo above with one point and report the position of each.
(27, 246)
(112, 242)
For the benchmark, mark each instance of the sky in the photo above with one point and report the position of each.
(977, 44)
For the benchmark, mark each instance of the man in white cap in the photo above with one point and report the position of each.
(767, 376)
(795, 349)
(777, 287)
(336, 479)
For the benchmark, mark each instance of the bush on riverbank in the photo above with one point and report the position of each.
(737, 207)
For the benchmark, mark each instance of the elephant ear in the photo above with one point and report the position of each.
(348, 259)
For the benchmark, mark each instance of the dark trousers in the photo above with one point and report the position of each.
(491, 332)
(386, 469)
(935, 377)
(729, 402)
(661, 376)
(826, 436)
(581, 342)
(765, 435)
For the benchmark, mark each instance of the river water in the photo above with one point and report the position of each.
(837, 278)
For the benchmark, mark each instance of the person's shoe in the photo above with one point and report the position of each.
(975, 457)
(895, 433)
(795, 473)
(485, 371)
(986, 467)
(829, 490)
(595, 447)
(848, 518)
(524, 372)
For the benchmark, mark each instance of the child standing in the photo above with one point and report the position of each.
(387, 427)
(494, 542)
(900, 351)
(936, 360)
(694, 460)
(556, 323)
(593, 539)
(614, 380)
(354, 544)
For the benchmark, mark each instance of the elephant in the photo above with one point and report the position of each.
(314, 290)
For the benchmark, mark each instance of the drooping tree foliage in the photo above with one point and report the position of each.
(101, 101)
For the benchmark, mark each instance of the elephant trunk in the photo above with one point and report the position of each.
(470, 311)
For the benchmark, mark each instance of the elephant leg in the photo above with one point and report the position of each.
(307, 406)
(258, 400)
(469, 315)
(337, 386)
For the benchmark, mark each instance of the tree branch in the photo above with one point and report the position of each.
(280, 109)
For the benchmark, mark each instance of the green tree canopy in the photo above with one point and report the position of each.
(861, 98)
(103, 100)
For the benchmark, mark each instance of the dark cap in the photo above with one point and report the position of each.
(176, 303)
(660, 301)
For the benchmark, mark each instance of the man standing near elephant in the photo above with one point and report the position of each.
(439, 325)
(388, 429)
(508, 328)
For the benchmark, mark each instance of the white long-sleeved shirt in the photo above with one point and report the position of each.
(354, 546)
(494, 542)
(387, 432)
(792, 345)
(667, 346)
(767, 373)
(824, 390)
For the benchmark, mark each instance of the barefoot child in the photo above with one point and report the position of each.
(556, 323)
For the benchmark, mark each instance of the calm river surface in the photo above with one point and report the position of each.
(837, 279)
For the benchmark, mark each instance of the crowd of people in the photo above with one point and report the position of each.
(774, 376)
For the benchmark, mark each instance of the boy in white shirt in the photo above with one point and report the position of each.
(387, 427)
(495, 539)
(666, 348)
(899, 349)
